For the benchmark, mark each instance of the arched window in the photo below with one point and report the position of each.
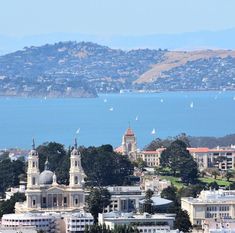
(129, 147)
(76, 163)
(33, 164)
(33, 180)
(75, 180)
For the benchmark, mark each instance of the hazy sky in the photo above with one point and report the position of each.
(114, 17)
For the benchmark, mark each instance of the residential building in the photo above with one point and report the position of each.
(219, 226)
(154, 183)
(210, 204)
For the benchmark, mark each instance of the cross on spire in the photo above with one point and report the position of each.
(75, 143)
(33, 144)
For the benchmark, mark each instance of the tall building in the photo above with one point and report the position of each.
(129, 145)
(44, 194)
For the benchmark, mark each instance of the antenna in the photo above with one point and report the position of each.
(33, 144)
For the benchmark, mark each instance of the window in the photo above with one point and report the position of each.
(65, 200)
(34, 202)
(44, 200)
(76, 163)
(76, 180)
(33, 181)
(76, 201)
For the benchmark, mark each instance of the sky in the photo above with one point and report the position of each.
(114, 17)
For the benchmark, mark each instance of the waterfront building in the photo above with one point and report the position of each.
(144, 222)
(210, 204)
(43, 193)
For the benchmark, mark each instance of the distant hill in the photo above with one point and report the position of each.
(210, 142)
(71, 69)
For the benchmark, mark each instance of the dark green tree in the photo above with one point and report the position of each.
(97, 201)
(189, 171)
(182, 221)
(59, 160)
(104, 167)
(8, 206)
(147, 207)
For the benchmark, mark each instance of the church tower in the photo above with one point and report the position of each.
(33, 168)
(76, 174)
(129, 142)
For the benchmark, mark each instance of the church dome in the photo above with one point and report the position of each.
(46, 177)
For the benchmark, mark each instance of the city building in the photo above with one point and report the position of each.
(144, 222)
(221, 158)
(76, 222)
(69, 222)
(219, 226)
(154, 183)
(43, 193)
(18, 229)
(13, 190)
(124, 198)
(40, 221)
(210, 204)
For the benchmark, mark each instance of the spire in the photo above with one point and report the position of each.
(75, 143)
(33, 144)
(46, 165)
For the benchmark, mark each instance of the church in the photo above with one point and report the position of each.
(44, 194)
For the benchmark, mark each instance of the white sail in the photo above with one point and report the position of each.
(153, 131)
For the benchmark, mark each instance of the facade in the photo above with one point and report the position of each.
(68, 222)
(124, 198)
(42, 222)
(221, 158)
(43, 193)
(154, 183)
(211, 204)
(144, 222)
(76, 222)
(219, 225)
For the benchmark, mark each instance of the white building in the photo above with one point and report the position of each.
(40, 221)
(43, 193)
(219, 226)
(68, 222)
(125, 198)
(20, 229)
(76, 222)
(13, 190)
(154, 183)
(210, 204)
(144, 222)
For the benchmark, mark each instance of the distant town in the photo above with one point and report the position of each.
(84, 69)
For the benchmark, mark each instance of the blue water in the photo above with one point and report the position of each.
(21, 119)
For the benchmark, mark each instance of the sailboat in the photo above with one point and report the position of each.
(137, 118)
(111, 109)
(161, 100)
(78, 131)
(105, 100)
(153, 131)
(191, 105)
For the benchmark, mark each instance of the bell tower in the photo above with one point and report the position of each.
(33, 168)
(129, 142)
(76, 174)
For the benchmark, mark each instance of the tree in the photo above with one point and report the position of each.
(191, 190)
(213, 185)
(215, 172)
(8, 206)
(148, 201)
(105, 167)
(177, 158)
(56, 154)
(170, 193)
(97, 201)
(182, 221)
(189, 171)
(229, 174)
(140, 163)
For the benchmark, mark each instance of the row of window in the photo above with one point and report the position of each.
(215, 208)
